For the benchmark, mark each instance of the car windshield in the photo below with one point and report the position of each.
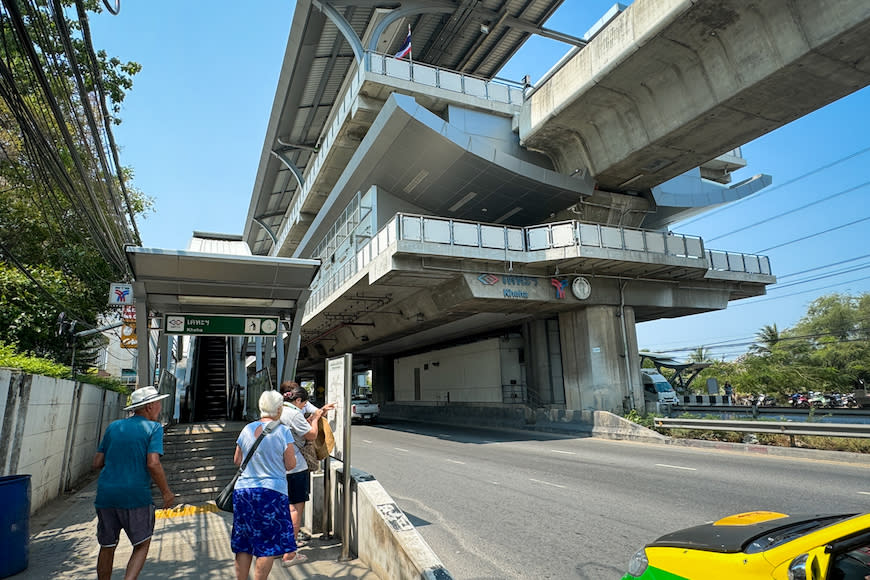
(663, 387)
(785, 534)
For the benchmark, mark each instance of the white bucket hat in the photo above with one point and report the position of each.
(144, 396)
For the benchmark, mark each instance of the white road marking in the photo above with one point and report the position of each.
(400, 449)
(454, 461)
(563, 452)
(366, 441)
(864, 492)
(548, 483)
(676, 467)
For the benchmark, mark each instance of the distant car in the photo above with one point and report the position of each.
(761, 544)
(363, 409)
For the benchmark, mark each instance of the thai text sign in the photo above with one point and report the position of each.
(221, 325)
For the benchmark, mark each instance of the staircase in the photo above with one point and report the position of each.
(211, 379)
(198, 460)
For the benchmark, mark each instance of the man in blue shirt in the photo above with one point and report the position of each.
(129, 457)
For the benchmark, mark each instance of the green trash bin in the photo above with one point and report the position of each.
(14, 524)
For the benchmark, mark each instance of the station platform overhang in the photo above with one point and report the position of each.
(200, 283)
(188, 282)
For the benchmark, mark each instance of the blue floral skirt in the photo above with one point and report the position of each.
(261, 523)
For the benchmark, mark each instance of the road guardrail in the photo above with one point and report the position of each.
(790, 428)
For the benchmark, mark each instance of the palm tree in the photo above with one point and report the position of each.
(700, 355)
(767, 337)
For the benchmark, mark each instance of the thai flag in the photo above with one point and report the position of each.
(406, 46)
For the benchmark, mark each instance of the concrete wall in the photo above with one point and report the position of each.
(50, 430)
(380, 533)
(565, 421)
(471, 372)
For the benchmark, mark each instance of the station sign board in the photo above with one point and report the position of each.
(218, 325)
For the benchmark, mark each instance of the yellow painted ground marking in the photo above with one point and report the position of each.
(186, 510)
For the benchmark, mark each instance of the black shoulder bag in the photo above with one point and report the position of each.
(224, 500)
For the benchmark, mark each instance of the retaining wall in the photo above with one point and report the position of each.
(50, 430)
(381, 535)
(575, 422)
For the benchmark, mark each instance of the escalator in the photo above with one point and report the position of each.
(210, 386)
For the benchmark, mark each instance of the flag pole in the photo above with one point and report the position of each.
(411, 52)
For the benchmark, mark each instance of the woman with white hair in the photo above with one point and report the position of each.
(262, 527)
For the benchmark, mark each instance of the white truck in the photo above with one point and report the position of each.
(363, 409)
(656, 388)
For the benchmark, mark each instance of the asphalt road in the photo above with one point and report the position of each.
(502, 505)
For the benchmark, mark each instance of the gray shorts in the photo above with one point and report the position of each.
(138, 523)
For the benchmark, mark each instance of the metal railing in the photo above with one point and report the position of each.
(452, 232)
(790, 428)
(504, 91)
(499, 91)
(737, 262)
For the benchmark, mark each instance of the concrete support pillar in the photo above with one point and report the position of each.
(319, 387)
(538, 360)
(383, 383)
(143, 338)
(164, 347)
(279, 363)
(599, 359)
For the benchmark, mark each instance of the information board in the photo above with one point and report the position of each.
(338, 392)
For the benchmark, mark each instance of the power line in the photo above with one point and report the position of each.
(791, 211)
(774, 188)
(808, 236)
(825, 266)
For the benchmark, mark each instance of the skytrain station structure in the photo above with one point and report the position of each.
(458, 263)
(494, 242)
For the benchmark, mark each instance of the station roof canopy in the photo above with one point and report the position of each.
(203, 283)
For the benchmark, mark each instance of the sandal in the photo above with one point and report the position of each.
(298, 559)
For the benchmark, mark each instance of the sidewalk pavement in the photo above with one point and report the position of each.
(191, 542)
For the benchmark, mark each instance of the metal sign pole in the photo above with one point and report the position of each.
(345, 528)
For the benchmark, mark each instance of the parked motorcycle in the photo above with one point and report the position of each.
(799, 401)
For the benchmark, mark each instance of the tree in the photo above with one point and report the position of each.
(65, 210)
(767, 338)
(700, 355)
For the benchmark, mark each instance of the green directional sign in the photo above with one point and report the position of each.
(221, 325)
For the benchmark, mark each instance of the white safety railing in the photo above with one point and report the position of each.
(499, 91)
(460, 233)
(441, 78)
(736, 262)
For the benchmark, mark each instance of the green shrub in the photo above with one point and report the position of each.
(34, 365)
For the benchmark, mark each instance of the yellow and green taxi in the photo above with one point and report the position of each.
(761, 544)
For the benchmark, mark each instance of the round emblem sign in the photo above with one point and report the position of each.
(268, 326)
(580, 288)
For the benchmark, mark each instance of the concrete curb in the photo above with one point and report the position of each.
(382, 536)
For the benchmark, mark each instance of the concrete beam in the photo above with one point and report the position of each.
(671, 84)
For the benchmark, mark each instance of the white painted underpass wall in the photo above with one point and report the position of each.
(39, 431)
(469, 373)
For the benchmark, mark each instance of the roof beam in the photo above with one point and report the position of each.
(541, 31)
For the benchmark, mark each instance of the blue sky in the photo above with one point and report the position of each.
(194, 124)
